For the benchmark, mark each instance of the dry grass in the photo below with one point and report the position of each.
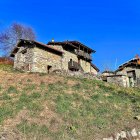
(36, 106)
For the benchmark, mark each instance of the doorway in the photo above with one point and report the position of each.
(132, 77)
(49, 68)
(79, 61)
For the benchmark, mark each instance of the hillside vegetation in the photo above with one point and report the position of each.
(51, 107)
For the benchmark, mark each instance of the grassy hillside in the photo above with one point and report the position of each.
(53, 107)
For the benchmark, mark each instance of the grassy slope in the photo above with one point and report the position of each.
(53, 107)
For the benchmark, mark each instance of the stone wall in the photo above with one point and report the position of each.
(93, 71)
(127, 69)
(85, 65)
(120, 80)
(24, 59)
(58, 47)
(42, 59)
(66, 58)
(70, 55)
(76, 74)
(134, 82)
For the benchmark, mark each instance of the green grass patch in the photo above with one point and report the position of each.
(5, 96)
(35, 95)
(34, 129)
(12, 89)
(6, 67)
(6, 111)
(63, 103)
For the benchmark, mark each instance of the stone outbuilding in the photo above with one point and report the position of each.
(118, 79)
(127, 75)
(33, 56)
(105, 74)
(132, 70)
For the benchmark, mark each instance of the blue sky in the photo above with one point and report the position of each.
(111, 27)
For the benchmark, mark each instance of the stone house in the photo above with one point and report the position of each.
(132, 70)
(33, 56)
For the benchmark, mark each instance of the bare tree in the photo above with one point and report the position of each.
(10, 36)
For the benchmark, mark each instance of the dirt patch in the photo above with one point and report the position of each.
(48, 118)
(23, 114)
(72, 83)
(22, 80)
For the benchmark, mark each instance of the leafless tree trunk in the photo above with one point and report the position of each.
(10, 36)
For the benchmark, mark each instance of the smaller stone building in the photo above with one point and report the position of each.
(132, 70)
(33, 56)
(120, 80)
(127, 75)
(105, 74)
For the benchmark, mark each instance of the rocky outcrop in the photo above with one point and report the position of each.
(125, 135)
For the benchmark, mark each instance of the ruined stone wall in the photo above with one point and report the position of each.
(42, 59)
(118, 80)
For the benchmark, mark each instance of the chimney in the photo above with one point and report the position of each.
(137, 56)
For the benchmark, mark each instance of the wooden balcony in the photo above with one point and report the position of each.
(72, 65)
(83, 54)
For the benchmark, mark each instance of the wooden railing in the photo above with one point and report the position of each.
(83, 54)
(72, 65)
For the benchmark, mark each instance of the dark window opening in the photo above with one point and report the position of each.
(49, 68)
(132, 74)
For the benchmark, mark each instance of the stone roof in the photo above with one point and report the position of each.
(32, 42)
(132, 62)
(107, 71)
(116, 75)
(75, 44)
